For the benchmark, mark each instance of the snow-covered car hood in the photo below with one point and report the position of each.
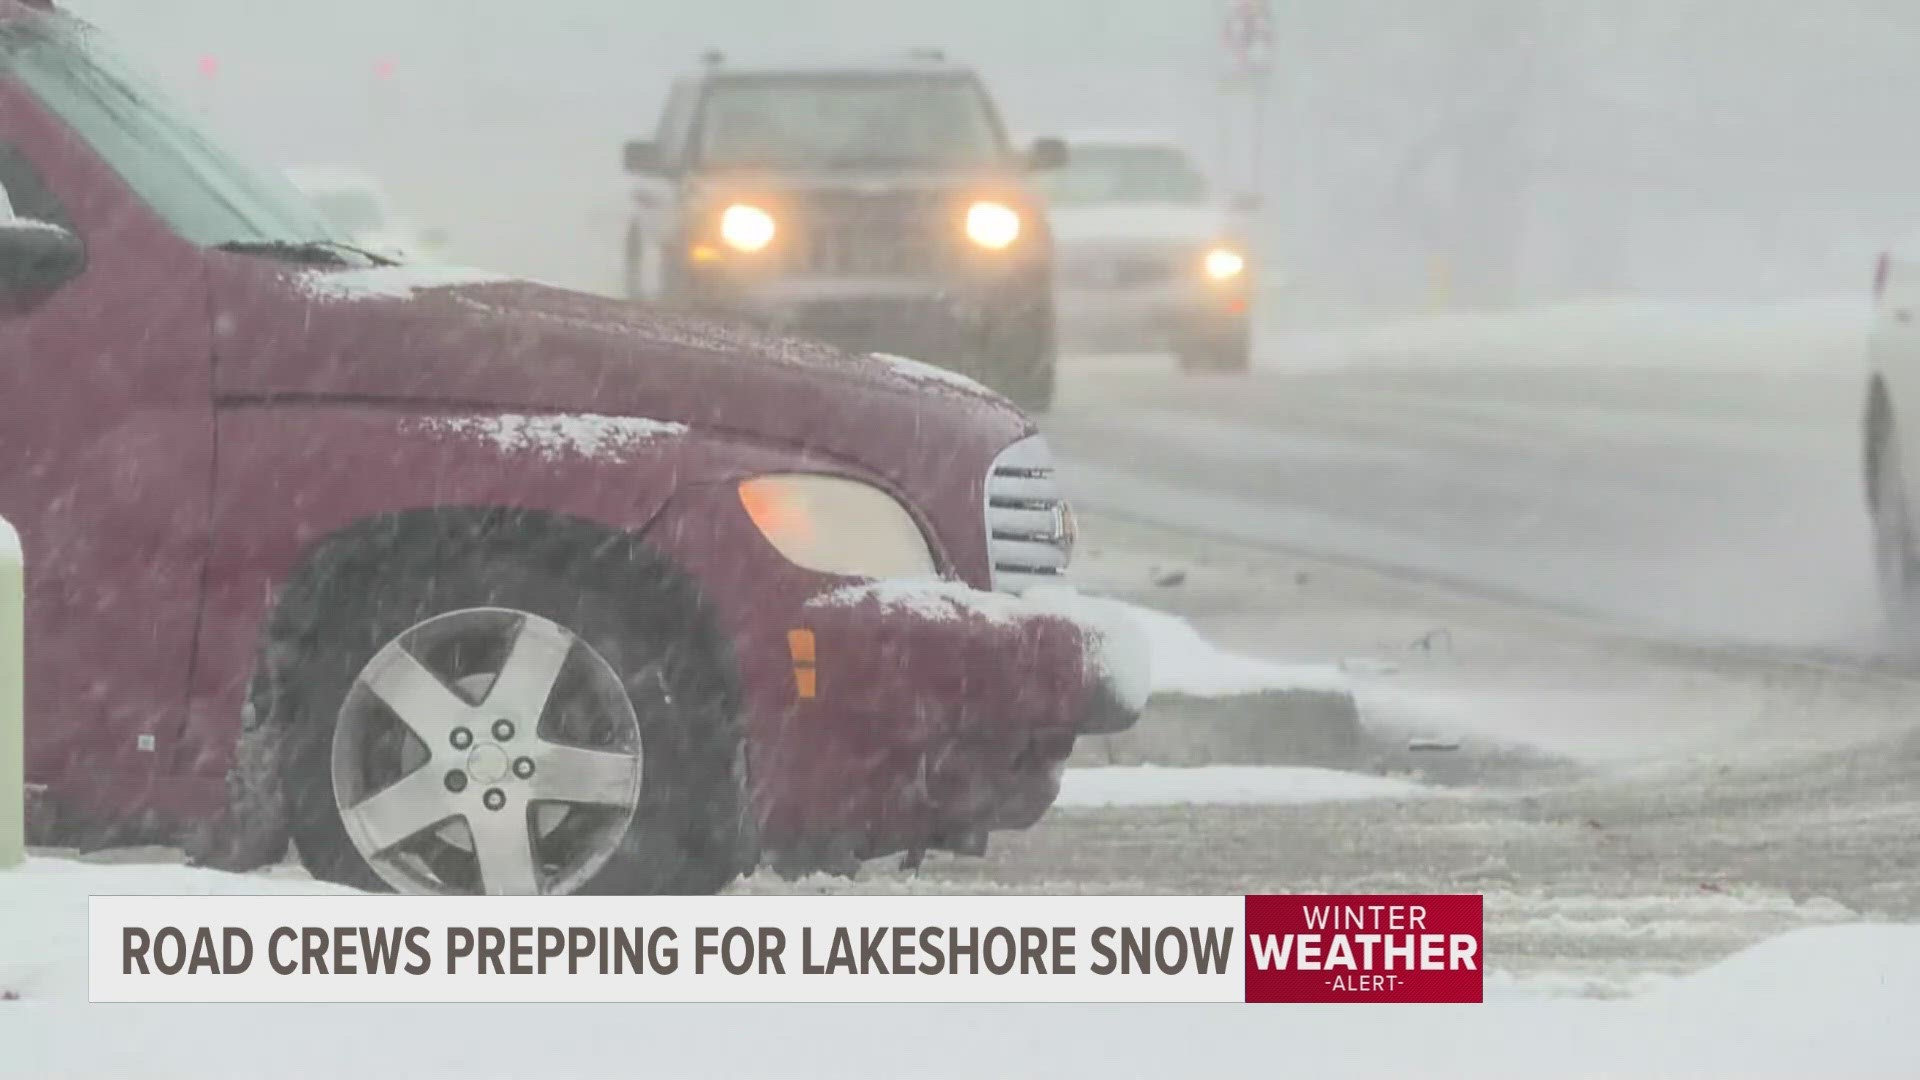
(440, 338)
(1172, 223)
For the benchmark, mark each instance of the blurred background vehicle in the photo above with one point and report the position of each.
(1146, 257)
(878, 206)
(359, 206)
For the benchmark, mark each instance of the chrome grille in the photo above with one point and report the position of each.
(1029, 525)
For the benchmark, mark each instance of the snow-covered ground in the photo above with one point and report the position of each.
(1224, 785)
(1824, 1002)
(1621, 335)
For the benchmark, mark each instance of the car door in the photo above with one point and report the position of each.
(106, 458)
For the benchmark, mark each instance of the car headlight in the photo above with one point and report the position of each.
(993, 225)
(746, 228)
(1225, 264)
(832, 525)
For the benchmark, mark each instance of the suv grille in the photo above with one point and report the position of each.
(852, 249)
(1029, 525)
(1130, 271)
(838, 234)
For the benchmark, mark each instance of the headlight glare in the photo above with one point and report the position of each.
(832, 525)
(746, 228)
(1225, 264)
(993, 225)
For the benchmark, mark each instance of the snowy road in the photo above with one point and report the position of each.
(1700, 500)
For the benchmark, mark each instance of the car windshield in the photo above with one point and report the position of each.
(849, 121)
(1125, 174)
(204, 193)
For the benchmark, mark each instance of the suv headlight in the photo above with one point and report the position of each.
(1223, 263)
(994, 226)
(832, 525)
(746, 228)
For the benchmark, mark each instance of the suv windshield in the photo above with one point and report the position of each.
(849, 121)
(353, 211)
(1125, 174)
(201, 191)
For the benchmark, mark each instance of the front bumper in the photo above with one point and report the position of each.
(1160, 317)
(942, 713)
(956, 322)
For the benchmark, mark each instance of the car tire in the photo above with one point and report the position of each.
(1897, 569)
(689, 830)
(1228, 350)
(1022, 362)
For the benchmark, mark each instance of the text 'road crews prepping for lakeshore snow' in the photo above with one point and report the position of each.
(767, 948)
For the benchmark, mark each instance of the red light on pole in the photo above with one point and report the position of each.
(383, 68)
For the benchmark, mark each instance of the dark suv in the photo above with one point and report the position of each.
(878, 207)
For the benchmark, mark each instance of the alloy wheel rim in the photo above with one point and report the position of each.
(487, 750)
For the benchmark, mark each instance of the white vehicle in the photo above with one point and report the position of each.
(1892, 437)
(359, 205)
(1145, 257)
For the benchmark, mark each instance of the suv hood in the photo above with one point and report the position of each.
(431, 339)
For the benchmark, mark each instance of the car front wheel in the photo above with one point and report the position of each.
(495, 728)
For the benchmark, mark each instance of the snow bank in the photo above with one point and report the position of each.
(392, 282)
(580, 435)
(1614, 334)
(1186, 663)
(9, 541)
(1819, 1002)
(1224, 785)
(43, 915)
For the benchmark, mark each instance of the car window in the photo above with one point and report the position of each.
(202, 192)
(1125, 174)
(676, 121)
(849, 121)
(25, 192)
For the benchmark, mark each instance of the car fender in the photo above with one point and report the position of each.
(288, 478)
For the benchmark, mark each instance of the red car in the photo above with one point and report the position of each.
(468, 584)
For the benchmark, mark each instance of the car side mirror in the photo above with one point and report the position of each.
(643, 158)
(1047, 154)
(36, 256)
(1248, 203)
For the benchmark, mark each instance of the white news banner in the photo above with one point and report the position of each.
(664, 949)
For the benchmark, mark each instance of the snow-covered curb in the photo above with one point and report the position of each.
(1184, 662)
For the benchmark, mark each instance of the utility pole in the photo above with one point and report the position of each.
(1246, 32)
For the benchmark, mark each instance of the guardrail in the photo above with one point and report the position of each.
(13, 790)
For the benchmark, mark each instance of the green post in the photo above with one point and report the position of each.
(13, 788)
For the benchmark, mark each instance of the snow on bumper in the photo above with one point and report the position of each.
(955, 709)
(1112, 673)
